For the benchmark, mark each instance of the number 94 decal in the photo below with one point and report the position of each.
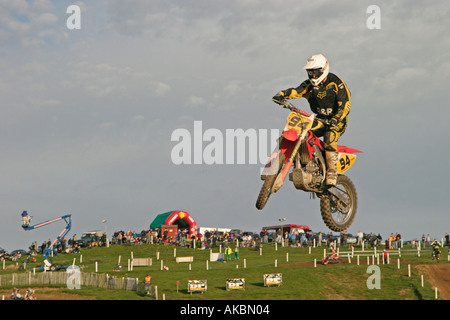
(345, 161)
(298, 123)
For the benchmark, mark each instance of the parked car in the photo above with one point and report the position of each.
(19, 251)
(89, 237)
(17, 254)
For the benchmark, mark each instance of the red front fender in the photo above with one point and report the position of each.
(290, 135)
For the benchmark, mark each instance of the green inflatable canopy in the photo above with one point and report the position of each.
(162, 219)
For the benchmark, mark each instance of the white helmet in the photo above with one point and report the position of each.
(318, 68)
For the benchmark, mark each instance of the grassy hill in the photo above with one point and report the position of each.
(301, 280)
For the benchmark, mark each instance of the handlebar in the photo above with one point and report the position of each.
(286, 104)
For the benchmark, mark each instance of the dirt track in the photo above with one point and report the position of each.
(439, 276)
(46, 294)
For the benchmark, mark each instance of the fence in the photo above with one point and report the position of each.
(99, 280)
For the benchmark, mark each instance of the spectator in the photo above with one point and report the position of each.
(385, 256)
(148, 284)
(214, 239)
(394, 241)
(360, 238)
(391, 240)
(302, 239)
(228, 253)
(344, 237)
(279, 236)
(236, 253)
(293, 239)
(398, 239)
(76, 249)
(295, 236)
(378, 239)
(286, 238)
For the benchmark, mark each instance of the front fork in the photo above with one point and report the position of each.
(287, 167)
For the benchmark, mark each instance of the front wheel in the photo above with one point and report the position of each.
(338, 204)
(266, 189)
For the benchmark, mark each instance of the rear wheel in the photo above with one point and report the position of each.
(436, 255)
(338, 204)
(266, 189)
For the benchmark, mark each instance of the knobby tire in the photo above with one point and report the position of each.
(327, 208)
(266, 188)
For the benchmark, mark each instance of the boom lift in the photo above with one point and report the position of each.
(26, 220)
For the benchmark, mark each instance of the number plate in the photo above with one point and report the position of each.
(298, 123)
(346, 160)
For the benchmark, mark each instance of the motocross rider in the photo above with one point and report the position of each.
(435, 245)
(331, 255)
(329, 98)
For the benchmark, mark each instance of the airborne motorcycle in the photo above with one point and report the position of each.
(299, 149)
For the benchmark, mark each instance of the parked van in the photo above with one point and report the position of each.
(90, 236)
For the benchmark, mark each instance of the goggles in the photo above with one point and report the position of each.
(314, 73)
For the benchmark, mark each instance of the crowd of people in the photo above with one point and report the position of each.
(394, 241)
(5, 255)
(295, 238)
(214, 238)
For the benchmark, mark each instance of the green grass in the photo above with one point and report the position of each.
(339, 281)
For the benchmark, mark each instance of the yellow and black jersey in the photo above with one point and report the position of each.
(330, 99)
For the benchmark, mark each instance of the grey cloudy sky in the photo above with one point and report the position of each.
(86, 115)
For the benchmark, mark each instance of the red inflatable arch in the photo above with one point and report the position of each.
(185, 217)
(180, 218)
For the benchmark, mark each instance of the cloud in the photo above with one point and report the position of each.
(87, 115)
(162, 89)
(233, 87)
(104, 79)
(195, 101)
(138, 118)
(46, 19)
(35, 24)
(107, 124)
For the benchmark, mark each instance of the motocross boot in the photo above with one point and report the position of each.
(331, 158)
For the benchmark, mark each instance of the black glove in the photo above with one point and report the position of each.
(279, 97)
(333, 122)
